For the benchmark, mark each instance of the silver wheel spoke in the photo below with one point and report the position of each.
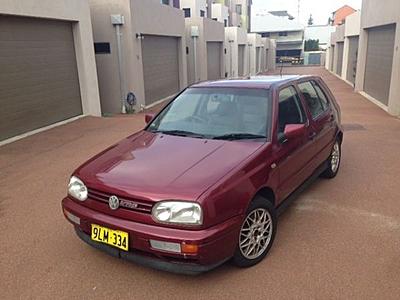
(255, 234)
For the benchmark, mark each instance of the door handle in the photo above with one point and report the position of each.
(312, 135)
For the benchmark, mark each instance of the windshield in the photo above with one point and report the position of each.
(225, 113)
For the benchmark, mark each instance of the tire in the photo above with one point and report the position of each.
(258, 206)
(333, 161)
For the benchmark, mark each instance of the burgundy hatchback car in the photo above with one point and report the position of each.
(205, 180)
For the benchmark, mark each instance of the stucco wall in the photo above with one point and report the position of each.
(195, 6)
(352, 28)
(254, 41)
(78, 12)
(139, 20)
(235, 36)
(209, 31)
(375, 13)
(353, 24)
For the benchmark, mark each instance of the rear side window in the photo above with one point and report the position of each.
(290, 109)
(310, 95)
(321, 95)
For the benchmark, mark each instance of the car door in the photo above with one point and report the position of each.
(293, 155)
(322, 120)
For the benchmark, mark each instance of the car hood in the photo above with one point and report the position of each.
(158, 166)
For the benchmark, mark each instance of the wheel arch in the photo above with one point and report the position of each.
(268, 194)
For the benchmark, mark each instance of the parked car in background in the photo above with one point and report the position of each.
(205, 180)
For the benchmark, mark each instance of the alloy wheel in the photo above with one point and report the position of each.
(256, 233)
(335, 157)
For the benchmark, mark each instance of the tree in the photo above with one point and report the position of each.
(310, 20)
(311, 45)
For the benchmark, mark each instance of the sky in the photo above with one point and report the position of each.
(321, 10)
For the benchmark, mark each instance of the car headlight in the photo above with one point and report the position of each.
(77, 189)
(178, 212)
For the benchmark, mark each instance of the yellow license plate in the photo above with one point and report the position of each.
(115, 238)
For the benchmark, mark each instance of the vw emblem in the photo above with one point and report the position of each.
(113, 202)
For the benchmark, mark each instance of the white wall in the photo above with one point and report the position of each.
(352, 28)
(235, 36)
(220, 13)
(375, 13)
(195, 6)
(139, 19)
(254, 42)
(78, 12)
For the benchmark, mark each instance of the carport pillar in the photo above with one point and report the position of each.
(118, 21)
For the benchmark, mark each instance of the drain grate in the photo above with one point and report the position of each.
(353, 127)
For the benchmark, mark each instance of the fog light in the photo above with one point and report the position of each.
(72, 218)
(165, 246)
(189, 248)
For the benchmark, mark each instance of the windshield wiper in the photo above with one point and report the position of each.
(180, 133)
(239, 136)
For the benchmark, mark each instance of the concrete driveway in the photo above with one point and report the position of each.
(340, 239)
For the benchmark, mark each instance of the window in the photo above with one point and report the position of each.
(213, 112)
(225, 22)
(265, 34)
(290, 109)
(313, 102)
(202, 13)
(321, 95)
(283, 33)
(239, 9)
(102, 48)
(166, 2)
(187, 12)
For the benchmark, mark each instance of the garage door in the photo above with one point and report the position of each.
(258, 59)
(331, 57)
(214, 60)
(339, 62)
(352, 61)
(38, 79)
(378, 67)
(241, 59)
(160, 67)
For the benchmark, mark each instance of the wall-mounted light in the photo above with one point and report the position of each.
(139, 36)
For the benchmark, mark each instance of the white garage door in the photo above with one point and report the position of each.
(160, 67)
(39, 82)
(258, 67)
(378, 67)
(214, 60)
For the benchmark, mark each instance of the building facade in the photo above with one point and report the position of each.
(339, 16)
(378, 64)
(288, 34)
(48, 65)
(135, 54)
(205, 52)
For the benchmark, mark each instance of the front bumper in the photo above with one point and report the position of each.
(215, 244)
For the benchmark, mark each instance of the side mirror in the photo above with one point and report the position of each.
(292, 131)
(148, 118)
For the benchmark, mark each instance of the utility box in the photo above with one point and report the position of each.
(117, 20)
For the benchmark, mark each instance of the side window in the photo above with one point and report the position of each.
(312, 99)
(321, 95)
(290, 109)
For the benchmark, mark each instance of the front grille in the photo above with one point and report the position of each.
(132, 204)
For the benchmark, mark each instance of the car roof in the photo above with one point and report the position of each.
(250, 82)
